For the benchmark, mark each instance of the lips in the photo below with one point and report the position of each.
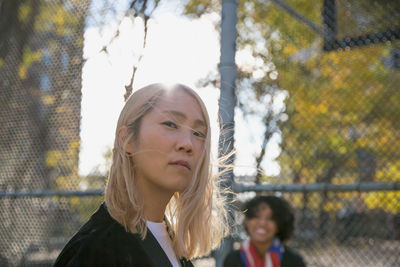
(182, 163)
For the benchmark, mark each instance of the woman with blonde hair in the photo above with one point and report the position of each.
(162, 203)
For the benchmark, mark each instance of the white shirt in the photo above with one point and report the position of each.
(159, 230)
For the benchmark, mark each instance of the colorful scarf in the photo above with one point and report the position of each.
(272, 257)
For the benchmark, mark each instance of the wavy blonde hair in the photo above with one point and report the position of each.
(196, 217)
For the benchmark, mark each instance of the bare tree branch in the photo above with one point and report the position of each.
(129, 87)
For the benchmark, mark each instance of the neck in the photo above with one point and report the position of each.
(155, 201)
(262, 247)
(154, 210)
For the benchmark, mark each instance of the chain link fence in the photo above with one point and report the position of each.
(336, 64)
(41, 60)
(336, 226)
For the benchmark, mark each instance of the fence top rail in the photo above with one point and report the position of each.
(317, 187)
(50, 193)
(236, 187)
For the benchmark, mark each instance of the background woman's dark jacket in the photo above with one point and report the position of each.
(102, 241)
(289, 259)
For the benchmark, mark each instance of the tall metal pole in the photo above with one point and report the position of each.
(227, 103)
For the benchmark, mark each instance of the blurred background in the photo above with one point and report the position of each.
(316, 104)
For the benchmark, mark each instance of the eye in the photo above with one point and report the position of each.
(199, 134)
(170, 124)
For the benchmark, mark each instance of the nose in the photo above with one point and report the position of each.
(184, 143)
(263, 221)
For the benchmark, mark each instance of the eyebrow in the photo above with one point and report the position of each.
(183, 116)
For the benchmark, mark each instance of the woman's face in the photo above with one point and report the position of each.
(261, 228)
(170, 143)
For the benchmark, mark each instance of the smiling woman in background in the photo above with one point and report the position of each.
(269, 222)
(162, 206)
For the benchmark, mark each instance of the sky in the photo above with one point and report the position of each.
(178, 49)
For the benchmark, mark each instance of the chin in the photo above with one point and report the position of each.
(182, 188)
(262, 240)
(179, 187)
(182, 185)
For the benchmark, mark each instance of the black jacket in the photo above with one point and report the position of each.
(102, 241)
(289, 259)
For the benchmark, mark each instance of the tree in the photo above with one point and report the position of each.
(41, 60)
(339, 123)
(40, 78)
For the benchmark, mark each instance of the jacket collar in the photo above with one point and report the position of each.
(150, 245)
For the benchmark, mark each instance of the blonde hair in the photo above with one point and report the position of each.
(196, 217)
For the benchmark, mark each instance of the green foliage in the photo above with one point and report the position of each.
(29, 57)
(200, 7)
(342, 106)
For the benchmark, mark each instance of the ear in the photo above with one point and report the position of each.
(122, 134)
